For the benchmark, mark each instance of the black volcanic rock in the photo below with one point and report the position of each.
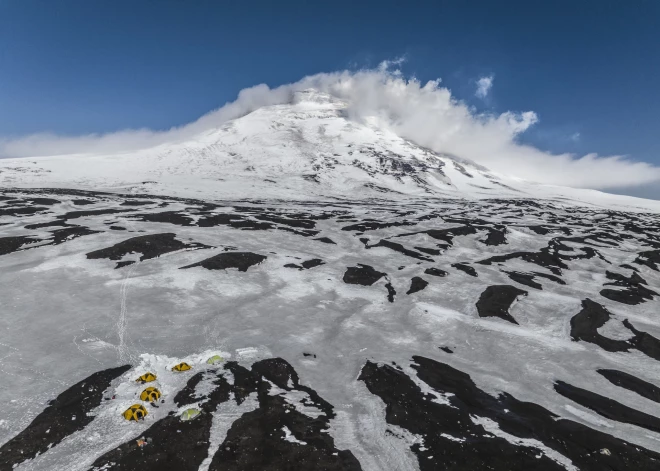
(465, 268)
(435, 272)
(585, 325)
(240, 260)
(417, 284)
(13, 244)
(632, 383)
(150, 246)
(364, 275)
(307, 264)
(608, 407)
(495, 301)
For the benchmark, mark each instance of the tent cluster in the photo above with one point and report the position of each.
(151, 394)
(137, 411)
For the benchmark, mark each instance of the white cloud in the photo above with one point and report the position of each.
(386, 65)
(425, 113)
(575, 137)
(484, 84)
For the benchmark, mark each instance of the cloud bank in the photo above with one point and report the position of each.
(424, 113)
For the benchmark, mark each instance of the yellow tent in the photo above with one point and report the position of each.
(182, 367)
(150, 394)
(135, 412)
(146, 378)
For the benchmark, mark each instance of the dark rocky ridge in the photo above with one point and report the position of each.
(585, 325)
(608, 407)
(632, 383)
(240, 260)
(262, 429)
(150, 246)
(64, 415)
(452, 440)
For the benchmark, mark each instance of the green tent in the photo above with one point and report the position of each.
(215, 359)
(190, 414)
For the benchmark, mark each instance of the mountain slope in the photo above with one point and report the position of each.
(374, 306)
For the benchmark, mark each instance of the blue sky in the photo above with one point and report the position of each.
(589, 69)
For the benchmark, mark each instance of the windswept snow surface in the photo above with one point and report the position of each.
(376, 305)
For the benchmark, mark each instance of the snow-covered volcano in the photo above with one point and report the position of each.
(344, 299)
(305, 150)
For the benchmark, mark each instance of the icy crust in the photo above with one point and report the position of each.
(332, 311)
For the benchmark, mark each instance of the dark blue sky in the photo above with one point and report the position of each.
(77, 66)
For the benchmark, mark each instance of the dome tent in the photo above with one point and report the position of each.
(183, 366)
(148, 377)
(215, 359)
(190, 414)
(150, 394)
(135, 412)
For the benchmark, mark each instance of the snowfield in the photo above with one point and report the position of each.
(376, 305)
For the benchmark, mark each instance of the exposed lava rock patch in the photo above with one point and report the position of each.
(417, 284)
(465, 268)
(527, 279)
(150, 246)
(14, 244)
(240, 260)
(401, 249)
(632, 383)
(307, 264)
(435, 272)
(585, 325)
(635, 292)
(608, 407)
(364, 275)
(22, 210)
(650, 258)
(495, 301)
